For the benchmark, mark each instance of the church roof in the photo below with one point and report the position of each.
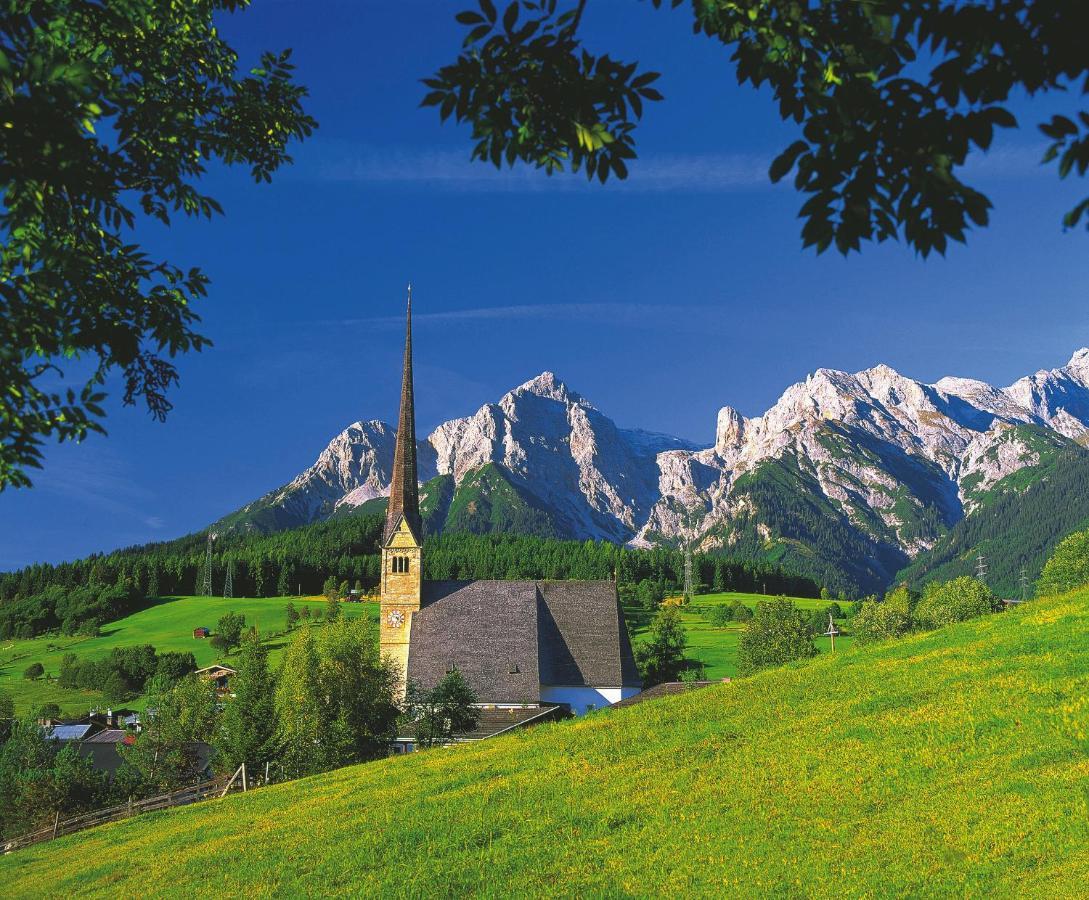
(583, 637)
(487, 629)
(509, 637)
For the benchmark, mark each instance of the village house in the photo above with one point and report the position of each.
(221, 675)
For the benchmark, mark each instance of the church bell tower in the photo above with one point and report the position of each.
(402, 544)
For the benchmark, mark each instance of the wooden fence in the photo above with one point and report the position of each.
(183, 797)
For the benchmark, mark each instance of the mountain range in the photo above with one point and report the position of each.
(853, 479)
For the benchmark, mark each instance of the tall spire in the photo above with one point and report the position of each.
(404, 494)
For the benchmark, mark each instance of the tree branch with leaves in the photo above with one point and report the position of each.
(891, 98)
(110, 112)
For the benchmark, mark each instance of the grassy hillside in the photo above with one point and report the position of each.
(167, 625)
(948, 764)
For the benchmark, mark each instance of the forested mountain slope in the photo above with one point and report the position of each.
(1015, 527)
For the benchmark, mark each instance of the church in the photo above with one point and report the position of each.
(529, 649)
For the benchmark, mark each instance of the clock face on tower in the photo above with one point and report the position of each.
(395, 618)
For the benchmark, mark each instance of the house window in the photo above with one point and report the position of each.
(400, 564)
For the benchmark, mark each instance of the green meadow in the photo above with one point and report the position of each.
(951, 763)
(167, 625)
(716, 646)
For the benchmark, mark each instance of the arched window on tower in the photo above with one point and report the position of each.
(399, 565)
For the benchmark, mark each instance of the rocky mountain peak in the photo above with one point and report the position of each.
(549, 386)
(1079, 363)
(882, 464)
(729, 430)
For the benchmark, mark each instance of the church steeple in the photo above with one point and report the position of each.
(402, 547)
(404, 495)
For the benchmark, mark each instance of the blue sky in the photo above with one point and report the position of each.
(660, 299)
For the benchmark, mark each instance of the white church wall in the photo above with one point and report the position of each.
(583, 699)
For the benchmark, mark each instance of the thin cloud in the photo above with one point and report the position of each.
(95, 477)
(453, 171)
(650, 315)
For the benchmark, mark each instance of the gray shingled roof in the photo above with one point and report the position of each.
(486, 629)
(583, 637)
(509, 637)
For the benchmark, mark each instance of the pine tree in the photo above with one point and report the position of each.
(246, 730)
(283, 583)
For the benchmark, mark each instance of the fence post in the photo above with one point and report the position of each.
(130, 806)
(245, 785)
(56, 822)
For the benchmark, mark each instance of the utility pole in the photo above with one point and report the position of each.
(832, 632)
(981, 567)
(1024, 585)
(206, 579)
(228, 584)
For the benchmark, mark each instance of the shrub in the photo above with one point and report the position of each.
(34, 671)
(778, 633)
(954, 601)
(720, 616)
(1068, 566)
(734, 611)
(890, 618)
(818, 621)
(49, 711)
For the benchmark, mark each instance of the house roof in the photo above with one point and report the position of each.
(70, 732)
(108, 736)
(509, 637)
(211, 670)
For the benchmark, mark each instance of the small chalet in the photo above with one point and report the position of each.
(201, 632)
(221, 675)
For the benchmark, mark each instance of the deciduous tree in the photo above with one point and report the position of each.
(1068, 566)
(439, 715)
(954, 601)
(778, 633)
(246, 730)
